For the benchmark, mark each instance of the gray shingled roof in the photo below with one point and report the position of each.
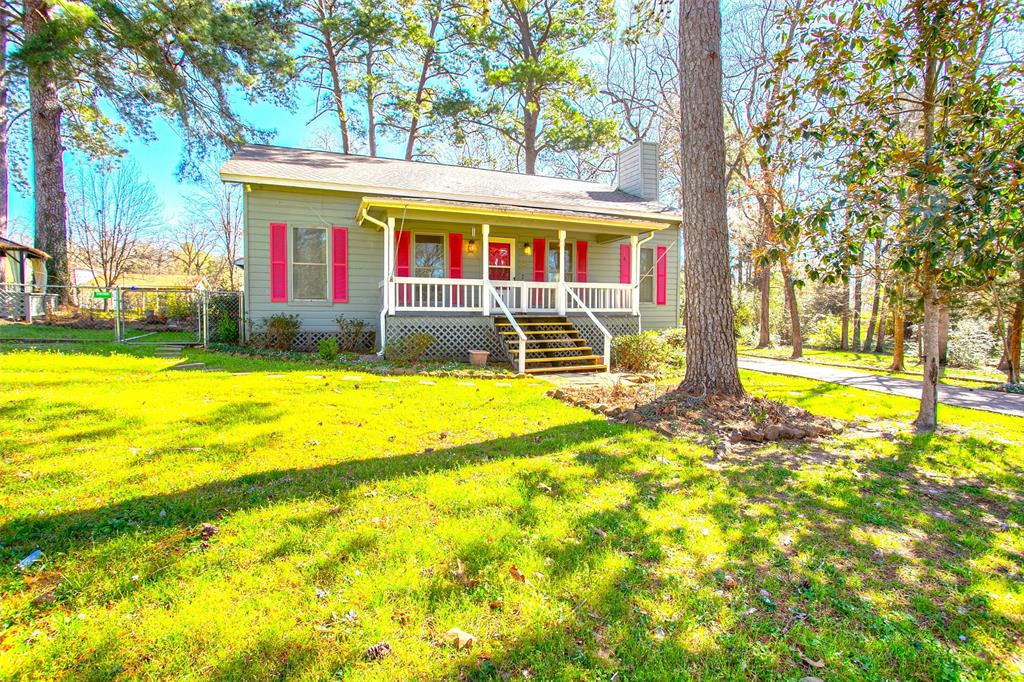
(305, 168)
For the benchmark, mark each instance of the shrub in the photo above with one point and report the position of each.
(970, 344)
(226, 330)
(178, 306)
(351, 333)
(828, 333)
(410, 348)
(675, 338)
(641, 352)
(327, 349)
(277, 332)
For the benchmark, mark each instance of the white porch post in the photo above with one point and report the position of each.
(389, 263)
(26, 287)
(486, 276)
(634, 273)
(560, 280)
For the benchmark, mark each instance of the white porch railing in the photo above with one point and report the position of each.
(430, 294)
(495, 298)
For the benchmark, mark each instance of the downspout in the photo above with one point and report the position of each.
(640, 275)
(364, 216)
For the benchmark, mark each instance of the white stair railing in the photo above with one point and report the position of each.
(593, 318)
(521, 360)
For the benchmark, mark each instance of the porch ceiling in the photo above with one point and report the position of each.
(475, 214)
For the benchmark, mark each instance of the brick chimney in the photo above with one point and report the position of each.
(637, 170)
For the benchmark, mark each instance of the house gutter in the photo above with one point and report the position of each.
(364, 216)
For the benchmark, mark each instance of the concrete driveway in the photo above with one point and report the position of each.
(973, 398)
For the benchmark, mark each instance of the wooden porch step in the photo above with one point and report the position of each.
(566, 358)
(553, 323)
(566, 331)
(566, 368)
(515, 351)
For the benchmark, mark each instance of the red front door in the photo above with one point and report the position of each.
(499, 261)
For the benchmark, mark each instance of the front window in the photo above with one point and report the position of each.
(552, 269)
(309, 263)
(647, 275)
(429, 255)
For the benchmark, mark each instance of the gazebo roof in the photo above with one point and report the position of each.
(32, 252)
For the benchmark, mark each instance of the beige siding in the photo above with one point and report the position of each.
(308, 208)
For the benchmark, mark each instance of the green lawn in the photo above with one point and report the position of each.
(354, 511)
(20, 331)
(879, 362)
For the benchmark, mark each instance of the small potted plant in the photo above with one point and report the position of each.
(478, 357)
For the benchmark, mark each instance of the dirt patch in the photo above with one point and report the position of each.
(746, 419)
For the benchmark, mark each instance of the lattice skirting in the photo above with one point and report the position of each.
(456, 336)
(307, 341)
(618, 325)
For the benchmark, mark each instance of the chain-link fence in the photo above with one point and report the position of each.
(30, 313)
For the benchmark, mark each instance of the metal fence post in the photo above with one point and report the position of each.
(206, 319)
(118, 332)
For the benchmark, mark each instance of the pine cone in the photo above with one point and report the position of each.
(378, 651)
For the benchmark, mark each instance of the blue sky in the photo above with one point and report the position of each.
(158, 160)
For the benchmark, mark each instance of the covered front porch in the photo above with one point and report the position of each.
(487, 281)
(459, 259)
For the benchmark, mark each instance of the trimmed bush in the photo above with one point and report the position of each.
(641, 352)
(351, 333)
(277, 332)
(409, 349)
(327, 349)
(226, 330)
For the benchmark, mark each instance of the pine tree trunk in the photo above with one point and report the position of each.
(48, 153)
(943, 333)
(337, 89)
(795, 333)
(876, 298)
(421, 89)
(710, 340)
(764, 335)
(857, 300)
(4, 132)
(927, 416)
(899, 328)
(1014, 336)
(880, 331)
(531, 121)
(844, 342)
(371, 109)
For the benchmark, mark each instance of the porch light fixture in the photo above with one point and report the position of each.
(527, 249)
(471, 246)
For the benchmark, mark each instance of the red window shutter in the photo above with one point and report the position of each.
(455, 255)
(339, 264)
(278, 263)
(538, 259)
(624, 264)
(581, 261)
(661, 283)
(402, 254)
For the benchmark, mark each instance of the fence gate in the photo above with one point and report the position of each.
(159, 316)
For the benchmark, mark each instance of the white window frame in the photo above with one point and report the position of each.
(552, 246)
(292, 263)
(445, 258)
(652, 275)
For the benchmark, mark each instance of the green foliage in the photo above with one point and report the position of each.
(409, 349)
(277, 332)
(970, 344)
(327, 349)
(642, 352)
(178, 306)
(226, 330)
(352, 334)
(827, 332)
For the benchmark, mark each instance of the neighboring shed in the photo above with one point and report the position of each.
(22, 271)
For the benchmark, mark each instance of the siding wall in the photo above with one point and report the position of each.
(309, 208)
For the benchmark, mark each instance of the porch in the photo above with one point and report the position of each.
(476, 246)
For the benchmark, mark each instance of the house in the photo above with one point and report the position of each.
(22, 278)
(539, 271)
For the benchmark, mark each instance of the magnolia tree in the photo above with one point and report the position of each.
(914, 110)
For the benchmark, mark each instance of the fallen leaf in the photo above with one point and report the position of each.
(461, 639)
(811, 662)
(497, 603)
(517, 574)
(601, 533)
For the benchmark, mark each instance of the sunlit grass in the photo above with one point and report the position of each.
(354, 511)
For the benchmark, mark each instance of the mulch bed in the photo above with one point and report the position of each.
(725, 419)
